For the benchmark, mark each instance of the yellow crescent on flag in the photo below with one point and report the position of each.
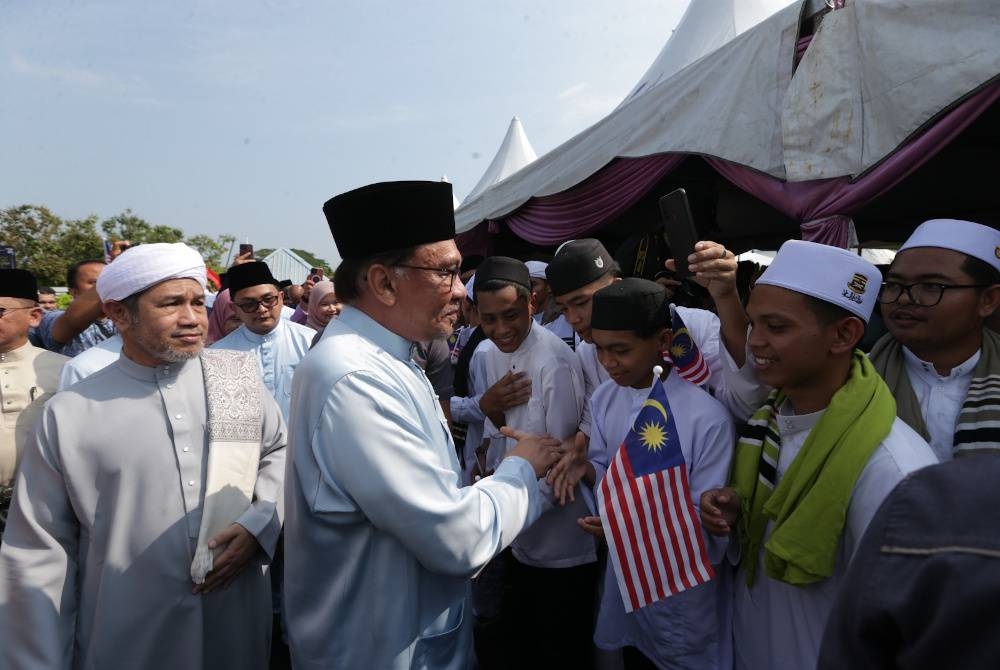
(658, 405)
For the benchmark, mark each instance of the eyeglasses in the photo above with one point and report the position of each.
(922, 294)
(4, 310)
(251, 306)
(446, 276)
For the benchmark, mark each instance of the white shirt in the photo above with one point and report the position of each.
(278, 354)
(780, 626)
(682, 630)
(561, 327)
(90, 361)
(940, 398)
(555, 540)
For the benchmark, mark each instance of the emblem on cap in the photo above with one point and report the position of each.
(996, 252)
(599, 262)
(859, 282)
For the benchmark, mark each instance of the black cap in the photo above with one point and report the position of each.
(390, 215)
(17, 283)
(470, 262)
(246, 275)
(576, 264)
(503, 268)
(630, 304)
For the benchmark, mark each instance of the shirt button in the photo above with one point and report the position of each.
(178, 416)
(187, 449)
(191, 483)
(170, 386)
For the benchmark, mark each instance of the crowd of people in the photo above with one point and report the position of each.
(418, 464)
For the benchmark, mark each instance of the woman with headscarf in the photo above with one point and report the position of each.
(323, 306)
(223, 319)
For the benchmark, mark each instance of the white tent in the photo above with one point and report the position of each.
(514, 153)
(705, 27)
(454, 198)
(875, 73)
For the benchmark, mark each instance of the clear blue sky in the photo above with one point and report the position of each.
(219, 116)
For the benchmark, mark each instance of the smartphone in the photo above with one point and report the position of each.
(246, 249)
(678, 228)
(7, 259)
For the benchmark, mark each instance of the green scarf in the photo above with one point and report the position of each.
(809, 505)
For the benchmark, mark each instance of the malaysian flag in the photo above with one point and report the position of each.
(653, 532)
(686, 355)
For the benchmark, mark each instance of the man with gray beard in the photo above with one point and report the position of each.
(145, 505)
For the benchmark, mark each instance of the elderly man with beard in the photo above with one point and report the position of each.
(146, 502)
(381, 538)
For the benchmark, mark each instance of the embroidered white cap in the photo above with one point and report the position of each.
(972, 239)
(833, 275)
(145, 265)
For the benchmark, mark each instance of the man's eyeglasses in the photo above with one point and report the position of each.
(251, 306)
(4, 310)
(446, 276)
(922, 294)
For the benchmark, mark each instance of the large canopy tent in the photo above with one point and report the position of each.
(515, 152)
(881, 111)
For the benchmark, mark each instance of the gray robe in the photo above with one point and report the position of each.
(94, 568)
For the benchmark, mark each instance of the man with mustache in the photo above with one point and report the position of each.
(941, 363)
(380, 537)
(146, 502)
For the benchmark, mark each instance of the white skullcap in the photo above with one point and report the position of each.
(469, 286)
(537, 269)
(833, 275)
(145, 265)
(972, 239)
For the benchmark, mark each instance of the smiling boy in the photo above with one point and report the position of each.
(554, 571)
(816, 461)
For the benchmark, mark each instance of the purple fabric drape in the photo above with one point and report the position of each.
(476, 241)
(818, 203)
(552, 219)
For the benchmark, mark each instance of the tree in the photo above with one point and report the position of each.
(47, 245)
(128, 226)
(213, 249)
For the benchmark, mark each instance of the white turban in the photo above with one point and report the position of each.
(143, 266)
(965, 237)
(833, 275)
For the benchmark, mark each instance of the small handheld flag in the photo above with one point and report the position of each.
(654, 535)
(686, 355)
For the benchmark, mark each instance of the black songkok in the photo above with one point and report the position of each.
(630, 304)
(576, 264)
(17, 283)
(502, 268)
(390, 215)
(246, 275)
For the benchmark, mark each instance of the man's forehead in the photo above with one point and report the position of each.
(445, 253)
(927, 261)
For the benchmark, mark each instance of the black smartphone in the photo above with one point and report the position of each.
(7, 258)
(678, 228)
(246, 249)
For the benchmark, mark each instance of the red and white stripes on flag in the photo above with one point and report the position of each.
(654, 535)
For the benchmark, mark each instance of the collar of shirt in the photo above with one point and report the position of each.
(19, 354)
(144, 373)
(791, 424)
(371, 329)
(926, 370)
(253, 337)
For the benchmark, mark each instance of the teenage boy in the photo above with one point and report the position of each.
(630, 328)
(816, 461)
(939, 361)
(553, 573)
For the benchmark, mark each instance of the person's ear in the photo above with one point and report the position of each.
(847, 333)
(533, 304)
(35, 316)
(119, 314)
(383, 283)
(666, 339)
(989, 301)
